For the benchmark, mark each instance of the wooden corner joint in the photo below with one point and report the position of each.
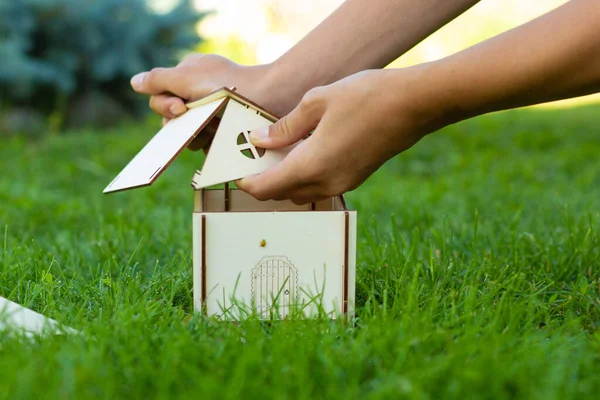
(203, 265)
(346, 266)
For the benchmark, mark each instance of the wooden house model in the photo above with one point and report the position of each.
(270, 259)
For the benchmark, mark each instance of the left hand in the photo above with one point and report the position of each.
(359, 123)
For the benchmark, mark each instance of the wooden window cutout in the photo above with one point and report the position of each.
(246, 148)
(241, 139)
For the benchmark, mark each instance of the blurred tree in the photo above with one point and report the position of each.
(70, 61)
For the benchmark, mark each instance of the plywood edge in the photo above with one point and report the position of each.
(351, 260)
(343, 202)
(204, 267)
(198, 201)
(346, 267)
(108, 191)
(200, 128)
(209, 98)
(200, 198)
(197, 252)
(259, 212)
(195, 179)
(174, 153)
(226, 92)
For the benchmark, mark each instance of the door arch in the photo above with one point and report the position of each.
(274, 283)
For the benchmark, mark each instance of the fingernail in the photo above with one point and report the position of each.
(177, 109)
(259, 134)
(137, 80)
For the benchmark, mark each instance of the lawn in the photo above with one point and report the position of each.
(478, 274)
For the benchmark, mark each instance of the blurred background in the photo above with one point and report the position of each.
(66, 64)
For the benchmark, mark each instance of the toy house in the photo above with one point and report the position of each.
(266, 258)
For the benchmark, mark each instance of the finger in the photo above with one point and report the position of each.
(191, 59)
(307, 195)
(161, 80)
(293, 127)
(167, 106)
(276, 183)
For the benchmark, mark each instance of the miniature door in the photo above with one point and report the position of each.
(274, 286)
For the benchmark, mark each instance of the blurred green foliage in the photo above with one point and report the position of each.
(233, 47)
(70, 61)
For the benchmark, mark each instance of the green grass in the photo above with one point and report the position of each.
(478, 275)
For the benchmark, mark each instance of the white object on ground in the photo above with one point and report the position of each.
(15, 316)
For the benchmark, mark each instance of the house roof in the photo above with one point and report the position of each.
(224, 162)
(231, 93)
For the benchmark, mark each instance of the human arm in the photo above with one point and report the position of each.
(362, 121)
(359, 35)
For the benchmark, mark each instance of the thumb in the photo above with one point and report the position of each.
(290, 129)
(168, 80)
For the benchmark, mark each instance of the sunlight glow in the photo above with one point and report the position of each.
(162, 6)
(268, 28)
(271, 47)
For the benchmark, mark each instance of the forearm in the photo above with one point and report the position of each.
(554, 57)
(360, 122)
(359, 35)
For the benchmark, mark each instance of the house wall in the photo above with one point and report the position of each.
(318, 247)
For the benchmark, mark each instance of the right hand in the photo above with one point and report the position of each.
(357, 124)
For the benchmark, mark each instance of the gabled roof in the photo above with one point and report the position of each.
(231, 156)
(231, 93)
